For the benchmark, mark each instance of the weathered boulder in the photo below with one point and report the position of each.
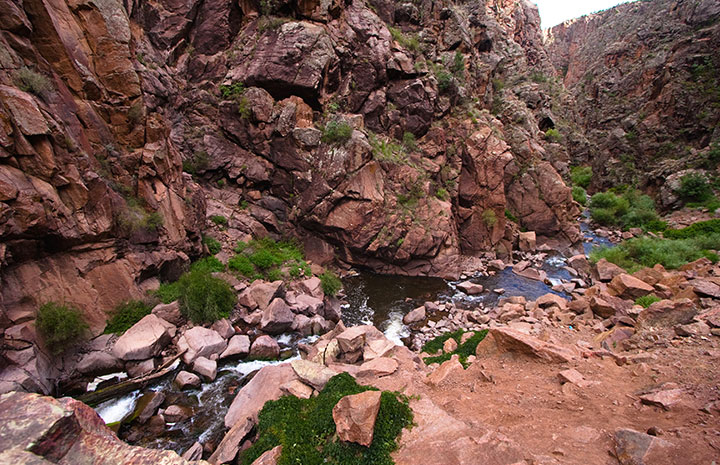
(705, 287)
(263, 293)
(224, 328)
(355, 417)
(99, 363)
(205, 367)
(200, 342)
(238, 346)
(629, 287)
(606, 306)
(507, 341)
(668, 313)
(265, 347)
(270, 457)
(607, 271)
(169, 312)
(635, 448)
(314, 374)
(382, 366)
(175, 413)
(144, 339)
(308, 305)
(470, 288)
(445, 371)
(277, 317)
(414, 316)
(551, 299)
(527, 241)
(265, 385)
(187, 380)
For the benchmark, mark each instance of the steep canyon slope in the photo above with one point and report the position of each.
(121, 121)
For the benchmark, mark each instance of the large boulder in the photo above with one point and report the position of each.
(265, 385)
(501, 341)
(264, 347)
(277, 317)
(200, 342)
(99, 363)
(606, 271)
(238, 346)
(263, 293)
(636, 448)
(355, 417)
(145, 339)
(629, 287)
(668, 313)
(606, 306)
(313, 374)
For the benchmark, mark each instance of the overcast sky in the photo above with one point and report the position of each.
(554, 12)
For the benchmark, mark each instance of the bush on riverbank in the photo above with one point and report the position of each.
(330, 283)
(463, 351)
(126, 315)
(60, 326)
(306, 429)
(632, 209)
(204, 298)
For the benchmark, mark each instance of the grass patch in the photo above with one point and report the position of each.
(581, 176)
(553, 135)
(330, 283)
(126, 315)
(306, 429)
(386, 150)
(647, 300)
(703, 228)
(579, 195)
(463, 351)
(204, 298)
(212, 244)
(61, 326)
(219, 220)
(269, 259)
(29, 80)
(410, 41)
(170, 292)
(638, 253)
(336, 132)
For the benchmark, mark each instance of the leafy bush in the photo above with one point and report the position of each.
(337, 132)
(219, 220)
(489, 218)
(409, 141)
(630, 210)
(167, 292)
(410, 42)
(61, 326)
(204, 298)
(511, 217)
(212, 244)
(197, 163)
(694, 187)
(641, 252)
(442, 194)
(331, 284)
(267, 258)
(388, 150)
(29, 80)
(125, 315)
(581, 176)
(463, 351)
(232, 91)
(647, 300)
(306, 429)
(703, 228)
(553, 135)
(579, 195)
(208, 265)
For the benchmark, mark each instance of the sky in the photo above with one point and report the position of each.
(553, 12)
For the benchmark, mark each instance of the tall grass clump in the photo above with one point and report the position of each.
(61, 326)
(269, 259)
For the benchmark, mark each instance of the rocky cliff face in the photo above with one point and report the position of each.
(125, 125)
(647, 87)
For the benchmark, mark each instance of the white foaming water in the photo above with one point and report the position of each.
(555, 281)
(116, 409)
(556, 261)
(396, 330)
(121, 375)
(284, 339)
(245, 368)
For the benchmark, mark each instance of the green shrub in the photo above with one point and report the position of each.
(703, 228)
(167, 292)
(387, 150)
(410, 42)
(204, 298)
(630, 210)
(463, 351)
(694, 187)
(579, 195)
(458, 65)
(306, 429)
(635, 254)
(337, 132)
(267, 258)
(243, 265)
(232, 91)
(212, 244)
(125, 315)
(409, 141)
(553, 135)
(442, 194)
(331, 284)
(444, 78)
(581, 176)
(219, 220)
(153, 221)
(489, 218)
(647, 300)
(511, 217)
(29, 80)
(208, 265)
(60, 326)
(197, 163)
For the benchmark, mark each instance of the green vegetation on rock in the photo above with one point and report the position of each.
(212, 244)
(331, 284)
(463, 351)
(60, 326)
(336, 132)
(581, 176)
(203, 297)
(703, 228)
(270, 259)
(29, 80)
(125, 315)
(647, 300)
(579, 195)
(306, 429)
(629, 210)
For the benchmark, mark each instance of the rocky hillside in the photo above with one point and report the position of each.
(646, 81)
(403, 137)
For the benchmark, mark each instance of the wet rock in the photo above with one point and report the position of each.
(205, 367)
(194, 452)
(264, 347)
(144, 339)
(629, 287)
(147, 405)
(137, 369)
(635, 448)
(175, 413)
(200, 342)
(531, 273)
(470, 288)
(355, 417)
(99, 363)
(414, 316)
(238, 346)
(313, 374)
(187, 380)
(277, 317)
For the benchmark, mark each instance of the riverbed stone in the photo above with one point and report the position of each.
(200, 342)
(470, 288)
(629, 287)
(145, 339)
(265, 347)
(224, 328)
(263, 293)
(265, 385)
(99, 363)
(313, 374)
(415, 315)
(238, 346)
(187, 380)
(175, 413)
(205, 367)
(148, 404)
(277, 317)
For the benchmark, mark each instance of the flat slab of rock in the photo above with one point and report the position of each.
(265, 385)
(270, 457)
(664, 399)
(572, 376)
(298, 389)
(382, 366)
(635, 448)
(230, 444)
(238, 346)
(169, 312)
(205, 367)
(504, 340)
(314, 374)
(470, 288)
(145, 339)
(668, 313)
(445, 371)
(263, 293)
(355, 417)
(531, 273)
(99, 363)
